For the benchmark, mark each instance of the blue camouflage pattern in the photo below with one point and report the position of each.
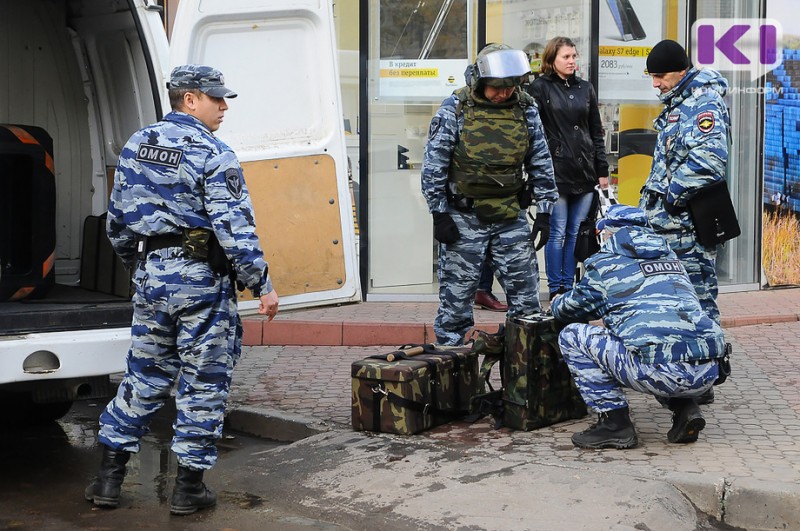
(619, 215)
(512, 255)
(202, 77)
(638, 287)
(512, 260)
(206, 190)
(657, 338)
(185, 327)
(693, 143)
(602, 366)
(173, 175)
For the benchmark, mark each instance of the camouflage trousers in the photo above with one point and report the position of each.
(512, 260)
(186, 329)
(602, 367)
(700, 264)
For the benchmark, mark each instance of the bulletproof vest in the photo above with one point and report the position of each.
(487, 161)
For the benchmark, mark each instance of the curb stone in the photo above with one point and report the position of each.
(273, 424)
(757, 504)
(705, 491)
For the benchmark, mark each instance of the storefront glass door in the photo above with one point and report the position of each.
(417, 57)
(418, 54)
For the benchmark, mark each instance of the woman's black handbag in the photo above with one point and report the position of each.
(586, 243)
(713, 215)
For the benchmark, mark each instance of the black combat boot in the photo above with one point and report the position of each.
(104, 490)
(613, 429)
(190, 493)
(687, 420)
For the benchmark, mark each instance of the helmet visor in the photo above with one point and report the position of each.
(503, 63)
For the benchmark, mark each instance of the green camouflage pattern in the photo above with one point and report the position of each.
(195, 243)
(496, 209)
(492, 347)
(447, 393)
(487, 161)
(538, 389)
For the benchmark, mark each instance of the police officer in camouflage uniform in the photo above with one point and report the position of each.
(691, 153)
(480, 140)
(180, 217)
(657, 339)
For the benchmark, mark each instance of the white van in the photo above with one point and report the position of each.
(84, 75)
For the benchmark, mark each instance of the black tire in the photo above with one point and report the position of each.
(18, 409)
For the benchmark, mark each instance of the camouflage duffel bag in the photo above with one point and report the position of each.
(538, 389)
(413, 389)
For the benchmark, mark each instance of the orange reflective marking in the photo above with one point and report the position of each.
(26, 138)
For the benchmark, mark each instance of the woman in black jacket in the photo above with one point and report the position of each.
(568, 108)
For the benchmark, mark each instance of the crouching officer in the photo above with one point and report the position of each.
(657, 338)
(480, 140)
(181, 218)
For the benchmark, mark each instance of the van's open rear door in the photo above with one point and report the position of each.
(286, 128)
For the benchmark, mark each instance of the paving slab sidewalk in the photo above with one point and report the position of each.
(744, 471)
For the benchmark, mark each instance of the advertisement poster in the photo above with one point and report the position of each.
(423, 48)
(781, 223)
(628, 31)
(529, 24)
(421, 78)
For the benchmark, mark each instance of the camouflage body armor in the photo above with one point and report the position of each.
(487, 161)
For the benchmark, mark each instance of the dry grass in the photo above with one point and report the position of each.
(781, 247)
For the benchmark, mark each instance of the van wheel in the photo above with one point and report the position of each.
(20, 410)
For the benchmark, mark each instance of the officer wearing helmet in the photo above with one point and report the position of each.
(656, 338)
(485, 162)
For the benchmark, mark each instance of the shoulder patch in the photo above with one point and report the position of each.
(705, 121)
(233, 179)
(161, 155)
(660, 267)
(435, 124)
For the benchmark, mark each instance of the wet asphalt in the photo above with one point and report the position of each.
(44, 470)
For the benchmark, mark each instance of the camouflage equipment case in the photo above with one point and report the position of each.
(538, 389)
(413, 393)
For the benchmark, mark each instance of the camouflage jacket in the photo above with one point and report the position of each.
(176, 174)
(640, 290)
(443, 137)
(692, 142)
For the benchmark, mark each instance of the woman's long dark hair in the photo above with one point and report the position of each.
(551, 51)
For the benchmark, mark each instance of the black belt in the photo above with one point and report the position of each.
(162, 241)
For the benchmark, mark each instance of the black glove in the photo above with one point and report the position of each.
(444, 228)
(671, 209)
(541, 228)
